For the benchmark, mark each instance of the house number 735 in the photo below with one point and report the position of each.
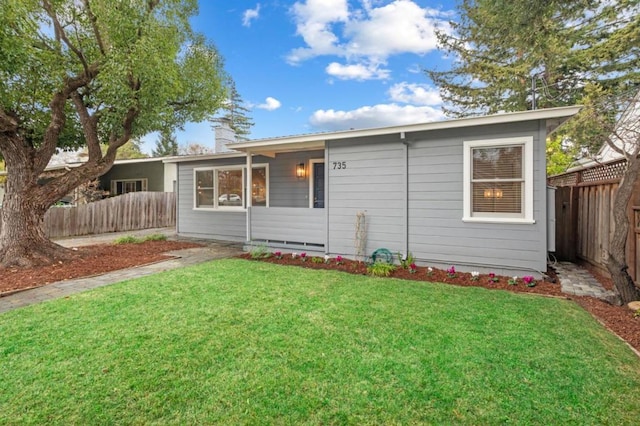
(337, 165)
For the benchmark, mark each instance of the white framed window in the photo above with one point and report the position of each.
(498, 180)
(224, 187)
(124, 186)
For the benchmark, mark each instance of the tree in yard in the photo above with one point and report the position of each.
(500, 50)
(235, 113)
(615, 120)
(84, 73)
(194, 149)
(166, 144)
(510, 56)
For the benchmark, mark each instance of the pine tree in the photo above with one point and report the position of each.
(502, 49)
(166, 145)
(236, 114)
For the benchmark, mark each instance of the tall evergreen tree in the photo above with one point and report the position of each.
(166, 145)
(236, 114)
(500, 49)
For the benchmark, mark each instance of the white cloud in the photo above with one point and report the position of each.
(270, 104)
(314, 22)
(250, 14)
(411, 93)
(357, 72)
(374, 116)
(364, 36)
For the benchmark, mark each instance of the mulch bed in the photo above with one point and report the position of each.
(619, 319)
(89, 261)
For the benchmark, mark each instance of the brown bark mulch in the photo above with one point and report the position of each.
(619, 319)
(89, 261)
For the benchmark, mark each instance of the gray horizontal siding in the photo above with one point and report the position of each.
(374, 183)
(285, 190)
(219, 225)
(436, 231)
(299, 225)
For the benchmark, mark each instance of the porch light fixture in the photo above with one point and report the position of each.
(300, 172)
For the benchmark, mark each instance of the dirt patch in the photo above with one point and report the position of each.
(618, 319)
(89, 261)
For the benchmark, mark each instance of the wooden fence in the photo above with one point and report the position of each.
(584, 220)
(135, 210)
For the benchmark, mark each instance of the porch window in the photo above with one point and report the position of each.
(499, 180)
(124, 186)
(205, 190)
(225, 187)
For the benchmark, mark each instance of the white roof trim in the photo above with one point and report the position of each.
(513, 117)
(198, 157)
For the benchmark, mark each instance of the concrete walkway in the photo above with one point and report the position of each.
(186, 257)
(578, 281)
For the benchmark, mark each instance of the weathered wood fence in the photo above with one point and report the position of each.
(128, 212)
(584, 220)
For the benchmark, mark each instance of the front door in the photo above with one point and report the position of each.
(318, 185)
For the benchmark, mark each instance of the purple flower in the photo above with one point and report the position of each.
(339, 260)
(413, 268)
(451, 272)
(529, 280)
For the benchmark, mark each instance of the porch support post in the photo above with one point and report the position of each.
(249, 193)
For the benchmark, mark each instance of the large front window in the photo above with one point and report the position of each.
(225, 187)
(499, 180)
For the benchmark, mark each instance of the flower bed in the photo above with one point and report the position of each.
(419, 273)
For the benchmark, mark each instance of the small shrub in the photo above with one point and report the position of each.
(156, 237)
(406, 260)
(259, 252)
(380, 269)
(316, 259)
(127, 239)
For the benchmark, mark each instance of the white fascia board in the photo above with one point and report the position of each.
(309, 139)
(200, 157)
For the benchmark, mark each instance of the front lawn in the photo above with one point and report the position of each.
(237, 342)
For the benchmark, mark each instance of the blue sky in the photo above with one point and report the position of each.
(323, 65)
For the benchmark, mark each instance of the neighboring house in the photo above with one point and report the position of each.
(468, 192)
(140, 174)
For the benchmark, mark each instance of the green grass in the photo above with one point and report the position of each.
(239, 342)
(130, 239)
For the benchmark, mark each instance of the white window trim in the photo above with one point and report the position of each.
(114, 184)
(527, 215)
(312, 178)
(245, 189)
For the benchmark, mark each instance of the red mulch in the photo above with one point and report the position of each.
(88, 261)
(618, 319)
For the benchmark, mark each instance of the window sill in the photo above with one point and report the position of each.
(513, 220)
(223, 209)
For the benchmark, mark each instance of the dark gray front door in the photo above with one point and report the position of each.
(318, 185)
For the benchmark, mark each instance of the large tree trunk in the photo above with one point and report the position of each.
(22, 239)
(617, 263)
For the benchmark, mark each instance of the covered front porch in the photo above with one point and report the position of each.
(297, 221)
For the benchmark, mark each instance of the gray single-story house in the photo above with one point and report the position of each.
(466, 192)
